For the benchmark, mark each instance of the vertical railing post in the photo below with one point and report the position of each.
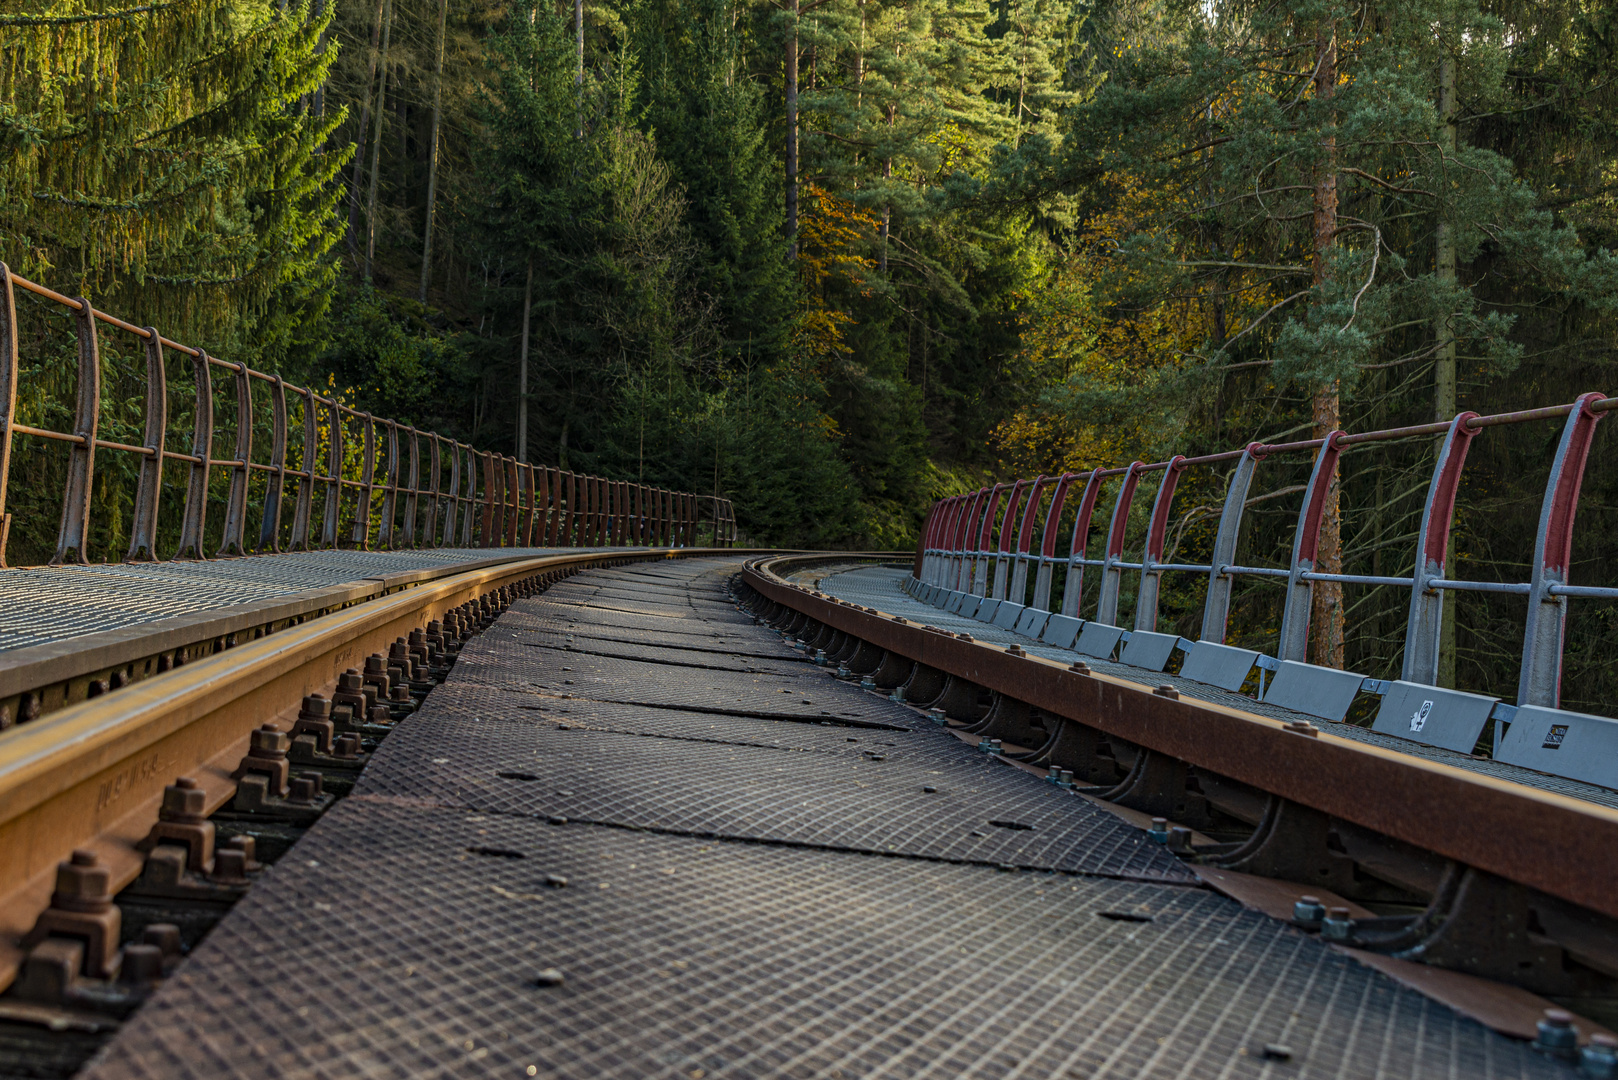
(234, 539)
(390, 488)
(1540, 681)
(1151, 578)
(361, 537)
(452, 504)
(1079, 545)
(1305, 546)
(149, 488)
(1216, 602)
(553, 525)
(269, 526)
(948, 571)
(73, 538)
(1002, 561)
(965, 535)
(309, 464)
(1425, 627)
(332, 511)
(8, 394)
(1018, 591)
(486, 525)
(1112, 576)
(511, 501)
(412, 490)
(194, 518)
(985, 536)
(429, 523)
(929, 530)
(469, 497)
(1047, 544)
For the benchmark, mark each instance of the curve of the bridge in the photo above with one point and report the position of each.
(633, 834)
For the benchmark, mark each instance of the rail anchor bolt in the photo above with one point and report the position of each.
(1599, 1059)
(1159, 832)
(1307, 912)
(1338, 925)
(1557, 1036)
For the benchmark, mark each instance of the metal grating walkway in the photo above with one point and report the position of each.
(762, 892)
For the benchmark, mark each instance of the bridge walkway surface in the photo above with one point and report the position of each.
(883, 588)
(633, 834)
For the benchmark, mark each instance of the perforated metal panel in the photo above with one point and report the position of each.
(386, 945)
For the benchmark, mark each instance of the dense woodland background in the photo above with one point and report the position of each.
(1010, 236)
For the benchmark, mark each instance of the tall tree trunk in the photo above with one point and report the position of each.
(359, 149)
(376, 143)
(1445, 397)
(1326, 616)
(522, 365)
(792, 135)
(432, 163)
(578, 73)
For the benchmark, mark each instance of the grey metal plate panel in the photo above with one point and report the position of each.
(1575, 745)
(1224, 666)
(1149, 649)
(1428, 714)
(985, 610)
(1315, 691)
(1031, 623)
(872, 804)
(385, 947)
(957, 604)
(943, 597)
(1098, 639)
(1061, 631)
(1007, 614)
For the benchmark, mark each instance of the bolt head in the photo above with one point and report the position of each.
(548, 977)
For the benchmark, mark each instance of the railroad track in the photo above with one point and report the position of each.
(91, 776)
(1416, 858)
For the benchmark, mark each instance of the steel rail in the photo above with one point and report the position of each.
(91, 776)
(1556, 844)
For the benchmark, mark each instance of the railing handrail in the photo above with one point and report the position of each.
(959, 542)
(520, 504)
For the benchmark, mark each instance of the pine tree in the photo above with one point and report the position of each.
(166, 161)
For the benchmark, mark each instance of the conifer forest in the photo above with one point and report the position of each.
(835, 259)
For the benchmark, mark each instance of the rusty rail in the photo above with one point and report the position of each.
(968, 536)
(487, 499)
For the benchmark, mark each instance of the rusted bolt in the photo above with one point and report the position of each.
(142, 965)
(316, 707)
(304, 790)
(1599, 1059)
(166, 936)
(230, 864)
(1167, 691)
(1079, 667)
(82, 884)
(938, 716)
(1557, 1035)
(1016, 650)
(1308, 911)
(346, 746)
(1338, 924)
(184, 801)
(964, 637)
(248, 846)
(1302, 727)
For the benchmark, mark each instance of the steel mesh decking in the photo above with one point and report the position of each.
(44, 604)
(819, 914)
(403, 941)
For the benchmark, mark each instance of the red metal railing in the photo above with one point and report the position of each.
(961, 545)
(489, 500)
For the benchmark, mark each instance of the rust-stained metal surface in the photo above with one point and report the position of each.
(447, 920)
